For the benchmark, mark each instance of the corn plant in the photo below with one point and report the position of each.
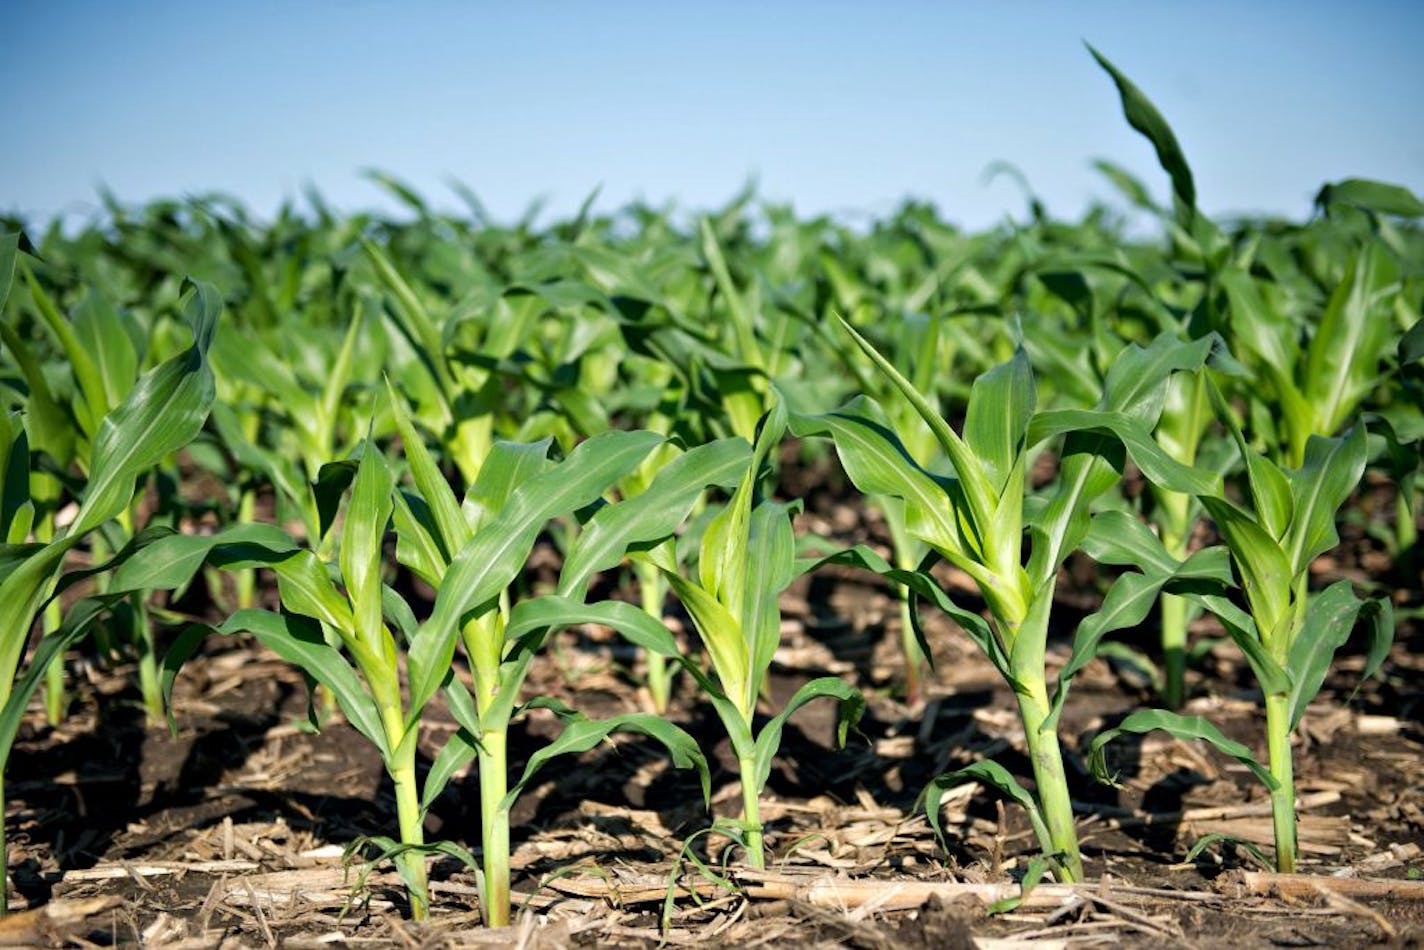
(498, 640)
(976, 517)
(747, 558)
(101, 351)
(471, 554)
(1288, 634)
(161, 413)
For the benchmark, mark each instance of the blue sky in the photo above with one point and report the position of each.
(837, 107)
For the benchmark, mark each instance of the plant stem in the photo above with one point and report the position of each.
(246, 580)
(1278, 750)
(494, 824)
(651, 593)
(56, 698)
(149, 684)
(409, 818)
(1174, 650)
(412, 832)
(751, 813)
(1052, 783)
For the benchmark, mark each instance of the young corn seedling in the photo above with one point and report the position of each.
(516, 492)
(161, 413)
(102, 354)
(348, 630)
(976, 518)
(1288, 634)
(747, 558)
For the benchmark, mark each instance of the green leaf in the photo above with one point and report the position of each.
(1182, 727)
(1267, 334)
(722, 635)
(170, 562)
(182, 649)
(495, 555)
(653, 514)
(508, 466)
(93, 405)
(1376, 196)
(553, 610)
(1136, 384)
(922, 584)
(1157, 466)
(99, 328)
(851, 706)
(77, 621)
(1332, 470)
(771, 567)
(1343, 359)
(1143, 116)
(724, 559)
(1242, 629)
(978, 492)
(1266, 574)
(1001, 402)
(362, 537)
(1127, 603)
(878, 464)
(453, 530)
(299, 641)
(1329, 618)
(9, 252)
(51, 427)
(305, 586)
(583, 734)
(995, 775)
(163, 412)
(458, 751)
(416, 544)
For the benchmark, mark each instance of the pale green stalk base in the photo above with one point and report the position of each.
(1282, 770)
(56, 697)
(1052, 784)
(751, 814)
(149, 683)
(494, 825)
(1406, 530)
(412, 832)
(660, 671)
(1174, 650)
(245, 580)
(659, 682)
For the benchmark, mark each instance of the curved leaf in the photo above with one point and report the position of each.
(162, 413)
(299, 641)
(996, 776)
(494, 556)
(1329, 619)
(768, 741)
(583, 734)
(1182, 727)
(654, 513)
(1143, 116)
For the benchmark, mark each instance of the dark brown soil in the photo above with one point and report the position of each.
(231, 833)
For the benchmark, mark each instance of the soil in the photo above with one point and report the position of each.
(231, 831)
